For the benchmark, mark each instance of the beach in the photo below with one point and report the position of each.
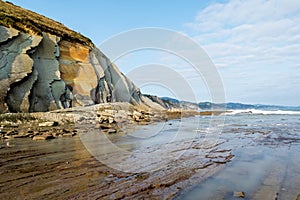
(180, 159)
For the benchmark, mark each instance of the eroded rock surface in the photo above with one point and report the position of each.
(45, 66)
(44, 73)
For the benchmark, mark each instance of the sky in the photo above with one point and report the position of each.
(254, 44)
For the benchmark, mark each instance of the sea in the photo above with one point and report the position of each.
(266, 146)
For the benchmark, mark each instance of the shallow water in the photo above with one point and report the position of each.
(266, 163)
(170, 158)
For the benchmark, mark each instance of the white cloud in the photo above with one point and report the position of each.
(247, 28)
(260, 38)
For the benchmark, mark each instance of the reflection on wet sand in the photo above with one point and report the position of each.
(254, 155)
(64, 168)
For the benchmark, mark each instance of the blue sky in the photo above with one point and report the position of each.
(255, 44)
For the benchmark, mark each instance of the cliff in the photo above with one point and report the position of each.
(46, 66)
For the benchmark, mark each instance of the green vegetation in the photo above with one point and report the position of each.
(27, 21)
(16, 117)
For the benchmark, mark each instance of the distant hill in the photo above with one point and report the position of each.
(227, 106)
(170, 99)
(240, 106)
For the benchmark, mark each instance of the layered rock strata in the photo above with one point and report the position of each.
(45, 66)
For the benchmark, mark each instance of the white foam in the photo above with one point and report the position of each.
(262, 112)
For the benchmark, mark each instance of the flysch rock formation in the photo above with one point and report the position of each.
(45, 66)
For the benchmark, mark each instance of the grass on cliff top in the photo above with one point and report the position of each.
(28, 21)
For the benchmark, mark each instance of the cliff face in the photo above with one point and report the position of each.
(42, 73)
(44, 66)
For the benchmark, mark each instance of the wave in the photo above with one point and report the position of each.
(261, 112)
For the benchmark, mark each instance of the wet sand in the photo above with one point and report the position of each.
(257, 155)
(63, 168)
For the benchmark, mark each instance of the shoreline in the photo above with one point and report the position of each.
(160, 167)
(110, 118)
(64, 168)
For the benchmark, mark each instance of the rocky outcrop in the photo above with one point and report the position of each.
(43, 68)
(15, 67)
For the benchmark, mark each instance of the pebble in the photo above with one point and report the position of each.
(239, 194)
(111, 131)
(43, 137)
(48, 124)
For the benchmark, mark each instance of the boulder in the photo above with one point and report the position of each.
(103, 126)
(111, 131)
(43, 137)
(48, 124)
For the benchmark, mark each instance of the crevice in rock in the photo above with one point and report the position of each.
(58, 90)
(95, 95)
(101, 93)
(108, 78)
(31, 51)
(66, 98)
(104, 92)
(31, 98)
(16, 94)
(94, 66)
